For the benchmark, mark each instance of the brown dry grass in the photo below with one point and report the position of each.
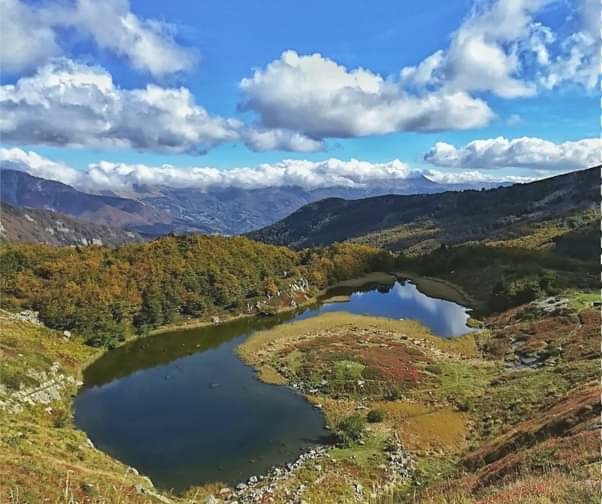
(425, 428)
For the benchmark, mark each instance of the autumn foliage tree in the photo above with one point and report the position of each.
(106, 293)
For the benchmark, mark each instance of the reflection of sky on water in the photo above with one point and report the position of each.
(444, 318)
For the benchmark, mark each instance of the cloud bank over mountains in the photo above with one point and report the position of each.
(475, 158)
(309, 175)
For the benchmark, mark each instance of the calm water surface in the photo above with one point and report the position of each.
(184, 410)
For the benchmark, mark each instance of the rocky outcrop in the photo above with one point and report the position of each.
(281, 480)
(26, 316)
(49, 388)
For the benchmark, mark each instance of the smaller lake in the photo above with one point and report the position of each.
(182, 408)
(401, 301)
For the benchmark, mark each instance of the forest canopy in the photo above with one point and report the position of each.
(107, 294)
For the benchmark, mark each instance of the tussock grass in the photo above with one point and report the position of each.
(425, 428)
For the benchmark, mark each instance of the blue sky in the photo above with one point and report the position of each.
(542, 90)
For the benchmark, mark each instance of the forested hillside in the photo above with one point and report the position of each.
(107, 293)
(538, 212)
(498, 278)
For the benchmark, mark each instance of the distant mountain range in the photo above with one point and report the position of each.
(235, 211)
(427, 220)
(22, 190)
(157, 210)
(44, 226)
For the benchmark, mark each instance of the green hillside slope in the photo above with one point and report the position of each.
(538, 212)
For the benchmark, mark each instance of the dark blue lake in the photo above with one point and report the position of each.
(183, 409)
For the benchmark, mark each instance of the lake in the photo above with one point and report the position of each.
(183, 409)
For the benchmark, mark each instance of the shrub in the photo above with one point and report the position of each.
(393, 394)
(375, 416)
(61, 418)
(349, 430)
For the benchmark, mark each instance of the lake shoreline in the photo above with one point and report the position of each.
(263, 351)
(369, 278)
(440, 288)
(374, 280)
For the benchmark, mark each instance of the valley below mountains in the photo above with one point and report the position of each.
(432, 348)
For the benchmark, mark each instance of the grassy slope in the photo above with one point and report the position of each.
(480, 429)
(469, 274)
(536, 233)
(43, 458)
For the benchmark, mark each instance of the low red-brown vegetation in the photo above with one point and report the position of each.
(388, 360)
(584, 342)
(569, 415)
(395, 363)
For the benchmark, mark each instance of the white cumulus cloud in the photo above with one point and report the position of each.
(524, 152)
(25, 40)
(502, 47)
(31, 33)
(260, 140)
(577, 63)
(316, 96)
(70, 104)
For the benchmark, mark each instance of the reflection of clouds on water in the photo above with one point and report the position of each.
(405, 301)
(444, 317)
(409, 292)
